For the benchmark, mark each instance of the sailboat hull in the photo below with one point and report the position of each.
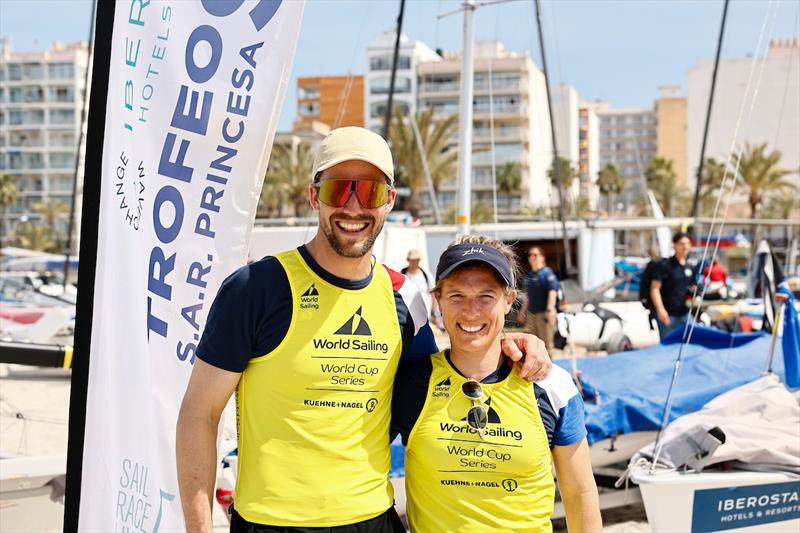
(720, 501)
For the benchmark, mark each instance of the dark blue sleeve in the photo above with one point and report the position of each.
(249, 317)
(423, 344)
(408, 398)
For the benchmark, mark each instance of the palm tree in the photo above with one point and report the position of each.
(762, 176)
(51, 211)
(609, 181)
(288, 177)
(661, 179)
(9, 194)
(781, 207)
(567, 173)
(509, 178)
(436, 138)
(34, 236)
(711, 181)
(479, 213)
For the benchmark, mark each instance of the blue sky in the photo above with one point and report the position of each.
(619, 51)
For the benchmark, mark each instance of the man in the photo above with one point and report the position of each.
(310, 340)
(424, 283)
(539, 298)
(672, 282)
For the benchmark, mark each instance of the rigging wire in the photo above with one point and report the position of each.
(348, 86)
(81, 141)
(491, 130)
(690, 324)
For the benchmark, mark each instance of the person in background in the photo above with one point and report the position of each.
(715, 273)
(480, 441)
(424, 282)
(672, 282)
(538, 309)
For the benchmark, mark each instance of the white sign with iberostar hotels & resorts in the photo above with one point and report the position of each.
(194, 96)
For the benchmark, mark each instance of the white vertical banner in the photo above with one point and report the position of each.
(195, 92)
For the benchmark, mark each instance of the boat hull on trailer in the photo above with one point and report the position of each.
(719, 501)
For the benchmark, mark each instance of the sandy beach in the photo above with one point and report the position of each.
(34, 410)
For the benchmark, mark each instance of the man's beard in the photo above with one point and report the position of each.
(352, 251)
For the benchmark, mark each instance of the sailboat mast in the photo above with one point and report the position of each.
(465, 122)
(699, 176)
(556, 165)
(387, 120)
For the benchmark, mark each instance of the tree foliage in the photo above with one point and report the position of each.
(287, 179)
(440, 155)
(760, 173)
(609, 181)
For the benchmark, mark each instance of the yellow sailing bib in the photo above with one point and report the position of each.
(313, 414)
(456, 481)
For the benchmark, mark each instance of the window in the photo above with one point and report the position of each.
(62, 160)
(61, 71)
(62, 116)
(402, 85)
(307, 92)
(309, 109)
(500, 80)
(444, 106)
(25, 138)
(61, 94)
(15, 71)
(378, 109)
(26, 94)
(499, 104)
(62, 139)
(385, 62)
(32, 71)
(60, 183)
(31, 116)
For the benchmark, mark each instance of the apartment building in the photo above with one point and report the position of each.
(671, 140)
(333, 100)
(772, 117)
(509, 101)
(41, 98)
(628, 139)
(380, 54)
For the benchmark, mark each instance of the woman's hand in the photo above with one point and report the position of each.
(536, 362)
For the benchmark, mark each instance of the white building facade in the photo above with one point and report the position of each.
(775, 115)
(510, 106)
(41, 98)
(380, 54)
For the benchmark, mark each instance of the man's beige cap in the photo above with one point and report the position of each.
(354, 143)
(414, 254)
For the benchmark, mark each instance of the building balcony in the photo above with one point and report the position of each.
(514, 133)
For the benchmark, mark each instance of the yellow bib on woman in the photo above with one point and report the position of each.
(456, 481)
(313, 414)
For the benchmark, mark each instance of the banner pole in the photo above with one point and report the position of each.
(87, 261)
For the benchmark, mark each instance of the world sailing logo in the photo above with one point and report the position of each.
(355, 325)
(310, 298)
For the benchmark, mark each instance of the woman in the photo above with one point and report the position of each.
(480, 441)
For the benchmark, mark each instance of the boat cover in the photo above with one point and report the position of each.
(626, 392)
(761, 423)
